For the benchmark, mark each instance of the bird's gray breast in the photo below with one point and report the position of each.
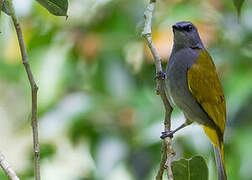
(177, 89)
(176, 74)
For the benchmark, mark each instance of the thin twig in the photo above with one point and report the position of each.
(7, 168)
(34, 90)
(167, 151)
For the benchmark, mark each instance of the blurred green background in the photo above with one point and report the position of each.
(99, 115)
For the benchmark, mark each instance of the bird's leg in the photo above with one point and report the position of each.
(170, 133)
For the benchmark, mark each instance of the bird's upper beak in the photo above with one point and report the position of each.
(176, 27)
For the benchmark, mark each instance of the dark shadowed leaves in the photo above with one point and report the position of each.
(56, 7)
(5, 8)
(238, 4)
(194, 168)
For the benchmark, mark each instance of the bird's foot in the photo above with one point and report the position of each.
(160, 75)
(167, 134)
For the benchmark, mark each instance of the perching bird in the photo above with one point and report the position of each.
(192, 85)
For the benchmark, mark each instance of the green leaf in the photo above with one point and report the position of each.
(188, 169)
(56, 7)
(5, 8)
(238, 4)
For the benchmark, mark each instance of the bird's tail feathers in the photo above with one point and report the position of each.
(220, 163)
(218, 152)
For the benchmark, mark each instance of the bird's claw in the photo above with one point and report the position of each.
(167, 134)
(160, 75)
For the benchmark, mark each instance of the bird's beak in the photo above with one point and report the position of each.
(176, 27)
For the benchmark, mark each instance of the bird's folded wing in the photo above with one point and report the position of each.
(205, 86)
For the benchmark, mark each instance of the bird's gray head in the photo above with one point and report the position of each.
(186, 35)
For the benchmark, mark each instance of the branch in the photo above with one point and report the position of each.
(7, 169)
(34, 90)
(167, 151)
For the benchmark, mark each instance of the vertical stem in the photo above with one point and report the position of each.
(167, 151)
(34, 90)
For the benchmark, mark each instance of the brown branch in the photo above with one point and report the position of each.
(34, 90)
(167, 151)
(7, 168)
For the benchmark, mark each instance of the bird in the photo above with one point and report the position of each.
(192, 84)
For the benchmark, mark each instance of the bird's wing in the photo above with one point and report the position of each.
(205, 86)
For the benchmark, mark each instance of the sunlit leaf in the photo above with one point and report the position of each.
(238, 4)
(186, 169)
(56, 7)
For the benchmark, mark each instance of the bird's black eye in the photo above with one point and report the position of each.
(188, 28)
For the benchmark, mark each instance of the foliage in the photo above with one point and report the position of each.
(56, 7)
(193, 168)
(4, 7)
(99, 115)
(238, 4)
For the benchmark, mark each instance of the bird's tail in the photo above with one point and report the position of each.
(220, 163)
(218, 152)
